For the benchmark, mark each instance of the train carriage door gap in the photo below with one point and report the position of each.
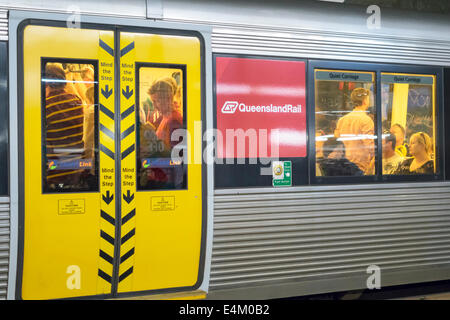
(112, 174)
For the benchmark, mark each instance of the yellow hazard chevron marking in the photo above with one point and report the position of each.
(128, 162)
(107, 214)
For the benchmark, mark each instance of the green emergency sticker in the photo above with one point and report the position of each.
(281, 173)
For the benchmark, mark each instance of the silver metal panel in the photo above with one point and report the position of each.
(304, 44)
(3, 25)
(294, 15)
(328, 235)
(131, 8)
(4, 245)
(318, 30)
(154, 9)
(13, 159)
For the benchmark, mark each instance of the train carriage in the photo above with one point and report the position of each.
(204, 149)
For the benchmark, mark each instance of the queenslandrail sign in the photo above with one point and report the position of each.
(260, 108)
(232, 106)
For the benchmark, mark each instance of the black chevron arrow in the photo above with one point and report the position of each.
(129, 215)
(127, 151)
(107, 92)
(127, 112)
(104, 276)
(108, 198)
(128, 197)
(106, 111)
(106, 47)
(127, 49)
(125, 274)
(127, 94)
(106, 151)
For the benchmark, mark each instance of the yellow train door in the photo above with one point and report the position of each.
(112, 173)
(161, 76)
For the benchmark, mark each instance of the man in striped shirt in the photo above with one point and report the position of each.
(64, 120)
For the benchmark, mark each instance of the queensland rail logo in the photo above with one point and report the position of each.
(229, 107)
(232, 106)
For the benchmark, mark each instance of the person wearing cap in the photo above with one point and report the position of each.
(64, 121)
(356, 130)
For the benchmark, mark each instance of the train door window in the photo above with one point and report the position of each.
(161, 125)
(345, 118)
(409, 124)
(69, 113)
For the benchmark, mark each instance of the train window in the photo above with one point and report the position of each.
(345, 117)
(408, 121)
(161, 125)
(69, 113)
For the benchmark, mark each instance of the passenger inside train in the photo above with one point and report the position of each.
(401, 147)
(356, 130)
(161, 114)
(421, 162)
(69, 126)
(391, 159)
(411, 105)
(334, 162)
(408, 113)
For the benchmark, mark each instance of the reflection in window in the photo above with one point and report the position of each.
(345, 117)
(69, 126)
(161, 123)
(408, 124)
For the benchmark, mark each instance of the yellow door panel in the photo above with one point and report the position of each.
(62, 227)
(168, 221)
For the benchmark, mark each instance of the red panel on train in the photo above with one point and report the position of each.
(263, 100)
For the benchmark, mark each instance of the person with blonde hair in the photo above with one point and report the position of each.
(421, 149)
(356, 130)
(159, 143)
(162, 93)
